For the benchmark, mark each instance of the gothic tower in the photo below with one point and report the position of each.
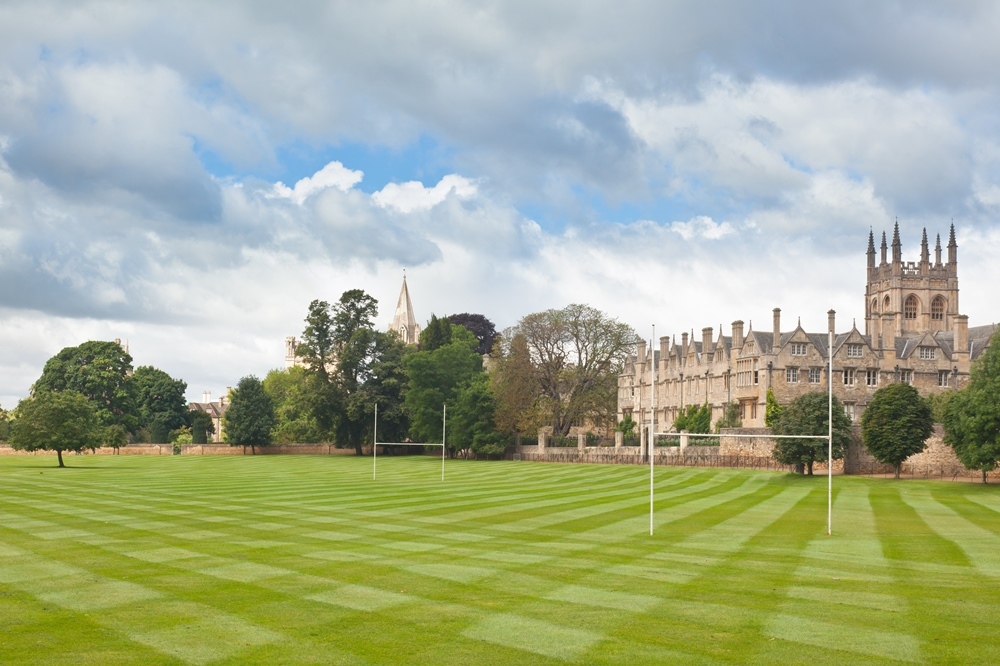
(404, 322)
(904, 299)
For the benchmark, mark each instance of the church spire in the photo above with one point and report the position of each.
(897, 247)
(952, 246)
(871, 248)
(885, 247)
(937, 251)
(403, 322)
(925, 253)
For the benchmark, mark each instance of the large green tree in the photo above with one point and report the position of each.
(57, 421)
(807, 415)
(481, 327)
(436, 378)
(357, 344)
(972, 417)
(515, 387)
(160, 402)
(100, 371)
(436, 334)
(472, 427)
(386, 385)
(896, 424)
(696, 419)
(289, 391)
(577, 353)
(4, 425)
(250, 416)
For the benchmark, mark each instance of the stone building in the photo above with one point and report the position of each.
(216, 410)
(913, 333)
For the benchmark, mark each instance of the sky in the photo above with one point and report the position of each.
(189, 176)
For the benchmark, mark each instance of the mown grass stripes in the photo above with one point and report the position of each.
(300, 559)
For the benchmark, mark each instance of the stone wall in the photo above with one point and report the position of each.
(196, 450)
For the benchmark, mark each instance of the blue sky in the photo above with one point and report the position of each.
(189, 177)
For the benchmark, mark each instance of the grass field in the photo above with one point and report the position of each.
(301, 559)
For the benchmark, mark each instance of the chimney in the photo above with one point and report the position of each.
(684, 344)
(640, 354)
(777, 327)
(962, 333)
(706, 340)
(206, 396)
(831, 321)
(664, 347)
(738, 334)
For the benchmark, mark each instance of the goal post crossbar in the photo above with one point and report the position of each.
(712, 434)
(376, 443)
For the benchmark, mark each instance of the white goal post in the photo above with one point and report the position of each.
(651, 443)
(376, 443)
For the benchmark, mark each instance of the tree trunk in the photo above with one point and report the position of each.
(984, 477)
(896, 468)
(59, 455)
(253, 451)
(357, 450)
(810, 468)
(800, 468)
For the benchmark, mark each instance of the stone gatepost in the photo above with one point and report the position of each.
(684, 440)
(619, 439)
(581, 441)
(542, 437)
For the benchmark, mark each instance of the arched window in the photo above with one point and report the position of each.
(937, 308)
(874, 306)
(885, 304)
(910, 307)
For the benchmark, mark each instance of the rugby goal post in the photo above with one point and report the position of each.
(651, 444)
(375, 442)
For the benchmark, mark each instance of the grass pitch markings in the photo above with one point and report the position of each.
(831, 637)
(532, 635)
(362, 598)
(981, 546)
(592, 596)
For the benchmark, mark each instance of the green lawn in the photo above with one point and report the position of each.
(302, 559)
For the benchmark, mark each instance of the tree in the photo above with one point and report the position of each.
(201, 427)
(4, 425)
(481, 327)
(56, 421)
(515, 388)
(386, 386)
(160, 402)
(471, 421)
(100, 371)
(896, 424)
(436, 334)
(696, 418)
(771, 408)
(972, 418)
(577, 353)
(294, 421)
(436, 378)
(250, 416)
(807, 415)
(627, 428)
(357, 342)
(730, 417)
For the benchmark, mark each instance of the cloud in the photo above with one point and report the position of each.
(333, 174)
(410, 196)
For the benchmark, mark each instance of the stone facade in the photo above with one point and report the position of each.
(913, 333)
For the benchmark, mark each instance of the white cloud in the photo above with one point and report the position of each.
(333, 174)
(412, 196)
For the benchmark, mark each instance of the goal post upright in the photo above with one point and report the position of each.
(651, 443)
(375, 442)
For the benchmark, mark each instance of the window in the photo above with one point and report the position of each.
(871, 378)
(855, 351)
(906, 376)
(791, 375)
(937, 308)
(756, 374)
(849, 410)
(928, 353)
(798, 349)
(874, 306)
(815, 375)
(885, 305)
(944, 378)
(910, 307)
(849, 377)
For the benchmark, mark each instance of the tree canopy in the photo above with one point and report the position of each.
(577, 353)
(56, 421)
(972, 416)
(250, 416)
(896, 424)
(696, 418)
(481, 327)
(160, 402)
(100, 371)
(436, 378)
(294, 421)
(807, 415)
(515, 388)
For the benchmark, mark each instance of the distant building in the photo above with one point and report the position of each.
(214, 410)
(913, 333)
